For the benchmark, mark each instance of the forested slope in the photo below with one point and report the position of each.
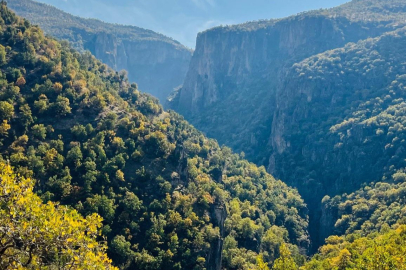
(317, 98)
(170, 198)
(158, 64)
(357, 137)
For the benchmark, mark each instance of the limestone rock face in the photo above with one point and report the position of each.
(233, 84)
(227, 59)
(158, 67)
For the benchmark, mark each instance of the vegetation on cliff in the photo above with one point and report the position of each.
(168, 196)
(164, 196)
(323, 111)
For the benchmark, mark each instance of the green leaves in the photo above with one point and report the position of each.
(95, 143)
(43, 236)
(375, 252)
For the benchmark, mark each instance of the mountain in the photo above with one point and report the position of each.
(183, 19)
(170, 198)
(157, 63)
(302, 96)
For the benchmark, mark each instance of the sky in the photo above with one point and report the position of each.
(183, 19)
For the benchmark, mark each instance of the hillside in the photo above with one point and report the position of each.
(170, 198)
(157, 63)
(296, 94)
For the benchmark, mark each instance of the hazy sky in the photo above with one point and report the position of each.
(183, 19)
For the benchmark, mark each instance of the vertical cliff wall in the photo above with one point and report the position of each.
(158, 67)
(235, 73)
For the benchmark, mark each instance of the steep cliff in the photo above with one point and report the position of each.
(343, 128)
(157, 63)
(274, 90)
(236, 71)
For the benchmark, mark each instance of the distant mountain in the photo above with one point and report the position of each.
(183, 19)
(170, 198)
(303, 95)
(157, 63)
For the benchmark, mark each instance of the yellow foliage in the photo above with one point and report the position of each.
(58, 87)
(261, 265)
(31, 231)
(342, 260)
(383, 251)
(4, 128)
(285, 261)
(120, 175)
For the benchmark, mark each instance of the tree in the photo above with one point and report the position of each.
(39, 131)
(58, 87)
(4, 127)
(75, 156)
(2, 55)
(35, 235)
(62, 106)
(261, 265)
(21, 81)
(6, 110)
(121, 249)
(26, 115)
(285, 261)
(341, 262)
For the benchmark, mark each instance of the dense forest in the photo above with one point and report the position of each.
(95, 174)
(169, 197)
(157, 63)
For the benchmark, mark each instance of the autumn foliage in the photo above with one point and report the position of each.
(34, 235)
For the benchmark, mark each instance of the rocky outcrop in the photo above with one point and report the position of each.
(155, 62)
(219, 215)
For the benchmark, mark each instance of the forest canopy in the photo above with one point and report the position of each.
(168, 196)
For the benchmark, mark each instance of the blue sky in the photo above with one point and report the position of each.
(183, 19)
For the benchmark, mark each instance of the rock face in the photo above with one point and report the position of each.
(157, 67)
(219, 215)
(156, 63)
(235, 55)
(236, 71)
(264, 88)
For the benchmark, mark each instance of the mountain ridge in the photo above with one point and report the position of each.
(156, 62)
